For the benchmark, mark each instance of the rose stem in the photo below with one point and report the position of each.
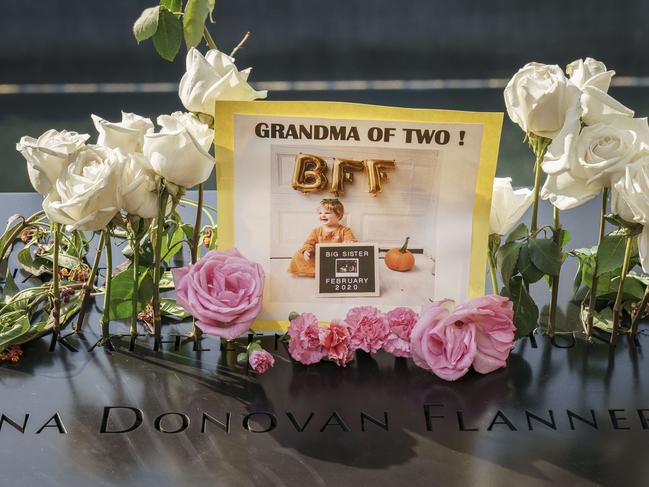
(90, 283)
(554, 282)
(638, 313)
(195, 246)
(595, 281)
(135, 246)
(159, 230)
(56, 299)
(617, 307)
(494, 243)
(539, 146)
(208, 39)
(241, 43)
(105, 315)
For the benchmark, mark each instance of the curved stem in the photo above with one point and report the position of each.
(617, 307)
(554, 284)
(105, 315)
(595, 281)
(90, 283)
(159, 231)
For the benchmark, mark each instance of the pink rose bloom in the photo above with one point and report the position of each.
(369, 328)
(401, 321)
(223, 291)
(443, 341)
(495, 331)
(336, 340)
(305, 346)
(260, 360)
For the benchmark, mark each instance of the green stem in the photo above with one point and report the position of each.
(90, 283)
(554, 284)
(595, 281)
(639, 312)
(163, 196)
(135, 245)
(105, 315)
(241, 43)
(56, 300)
(492, 272)
(617, 307)
(195, 246)
(208, 39)
(539, 146)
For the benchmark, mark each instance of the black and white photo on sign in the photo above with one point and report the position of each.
(406, 207)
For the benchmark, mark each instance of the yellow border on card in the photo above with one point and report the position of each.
(224, 154)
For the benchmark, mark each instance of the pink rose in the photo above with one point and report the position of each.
(443, 342)
(369, 328)
(223, 291)
(495, 331)
(401, 322)
(260, 360)
(305, 346)
(336, 340)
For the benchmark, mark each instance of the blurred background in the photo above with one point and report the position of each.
(65, 59)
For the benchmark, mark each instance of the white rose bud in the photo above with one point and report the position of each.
(507, 205)
(138, 188)
(49, 155)
(538, 97)
(85, 194)
(127, 135)
(211, 78)
(177, 156)
(630, 191)
(593, 79)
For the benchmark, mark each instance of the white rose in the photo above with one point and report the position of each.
(538, 97)
(48, 155)
(85, 194)
(507, 205)
(580, 162)
(643, 249)
(138, 187)
(213, 77)
(589, 72)
(179, 120)
(630, 192)
(127, 135)
(178, 157)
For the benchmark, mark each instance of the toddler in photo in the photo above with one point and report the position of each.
(330, 212)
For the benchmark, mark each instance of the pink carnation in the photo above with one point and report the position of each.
(495, 330)
(223, 291)
(369, 328)
(443, 342)
(260, 360)
(336, 340)
(305, 346)
(401, 321)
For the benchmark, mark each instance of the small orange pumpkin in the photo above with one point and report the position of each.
(401, 259)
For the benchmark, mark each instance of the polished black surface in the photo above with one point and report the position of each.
(471, 432)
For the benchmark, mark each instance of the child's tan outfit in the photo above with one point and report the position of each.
(306, 268)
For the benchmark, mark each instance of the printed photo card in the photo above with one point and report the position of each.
(346, 204)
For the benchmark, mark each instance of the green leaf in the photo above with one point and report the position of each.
(169, 307)
(242, 358)
(196, 12)
(545, 255)
(633, 289)
(35, 331)
(519, 232)
(526, 313)
(565, 237)
(525, 266)
(169, 36)
(166, 281)
(147, 24)
(610, 254)
(121, 293)
(506, 259)
(35, 266)
(212, 4)
(172, 242)
(12, 327)
(601, 319)
(172, 5)
(65, 260)
(10, 288)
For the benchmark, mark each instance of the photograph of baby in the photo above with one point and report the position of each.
(404, 209)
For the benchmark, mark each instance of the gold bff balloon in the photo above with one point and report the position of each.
(309, 173)
(343, 172)
(376, 174)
